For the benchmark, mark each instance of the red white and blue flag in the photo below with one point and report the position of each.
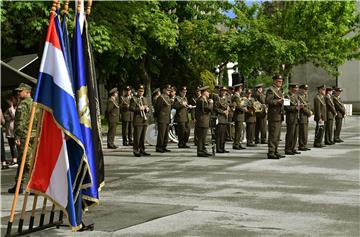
(60, 166)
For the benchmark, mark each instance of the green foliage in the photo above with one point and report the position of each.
(22, 26)
(181, 42)
(207, 79)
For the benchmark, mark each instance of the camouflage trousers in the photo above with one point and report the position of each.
(28, 160)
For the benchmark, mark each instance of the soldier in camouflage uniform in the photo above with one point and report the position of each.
(21, 123)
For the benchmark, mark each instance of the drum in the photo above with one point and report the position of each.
(151, 134)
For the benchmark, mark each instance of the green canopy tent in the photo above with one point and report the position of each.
(11, 77)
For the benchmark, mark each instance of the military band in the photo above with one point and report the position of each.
(250, 119)
(204, 108)
(340, 114)
(112, 115)
(239, 115)
(331, 114)
(320, 116)
(181, 118)
(126, 117)
(162, 114)
(275, 100)
(261, 115)
(140, 108)
(304, 114)
(292, 118)
(222, 108)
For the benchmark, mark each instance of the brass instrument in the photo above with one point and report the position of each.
(142, 112)
(258, 107)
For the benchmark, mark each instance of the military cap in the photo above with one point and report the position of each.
(173, 88)
(322, 87)
(230, 87)
(223, 88)
(127, 88)
(183, 88)
(167, 87)
(204, 88)
(141, 88)
(259, 85)
(217, 86)
(338, 89)
(276, 77)
(197, 88)
(113, 90)
(329, 88)
(156, 90)
(249, 91)
(304, 86)
(23, 86)
(293, 84)
(238, 85)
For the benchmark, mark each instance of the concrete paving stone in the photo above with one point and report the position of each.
(241, 193)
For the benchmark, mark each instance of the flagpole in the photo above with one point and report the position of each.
(22, 165)
(66, 7)
(88, 7)
(79, 6)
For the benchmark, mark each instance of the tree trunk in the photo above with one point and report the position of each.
(147, 84)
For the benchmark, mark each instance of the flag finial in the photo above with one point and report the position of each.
(79, 6)
(66, 7)
(53, 8)
(88, 7)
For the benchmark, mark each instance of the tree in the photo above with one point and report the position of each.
(290, 33)
(21, 25)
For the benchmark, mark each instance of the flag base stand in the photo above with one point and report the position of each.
(88, 224)
(35, 229)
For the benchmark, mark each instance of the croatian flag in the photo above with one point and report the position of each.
(60, 165)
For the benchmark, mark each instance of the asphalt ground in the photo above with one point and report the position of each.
(240, 193)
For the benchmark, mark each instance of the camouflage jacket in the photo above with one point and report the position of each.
(22, 119)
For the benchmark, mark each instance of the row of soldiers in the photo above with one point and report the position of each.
(226, 110)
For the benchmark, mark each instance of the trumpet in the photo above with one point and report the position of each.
(142, 111)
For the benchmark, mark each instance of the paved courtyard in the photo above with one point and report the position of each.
(237, 194)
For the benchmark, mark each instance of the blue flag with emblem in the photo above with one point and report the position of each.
(82, 98)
